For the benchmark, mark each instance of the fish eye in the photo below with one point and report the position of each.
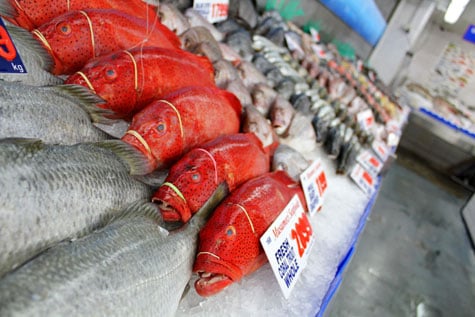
(195, 177)
(230, 231)
(111, 74)
(64, 28)
(161, 127)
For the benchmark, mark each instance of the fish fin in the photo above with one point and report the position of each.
(234, 101)
(7, 10)
(26, 37)
(139, 208)
(32, 144)
(88, 101)
(207, 209)
(155, 178)
(137, 162)
(116, 129)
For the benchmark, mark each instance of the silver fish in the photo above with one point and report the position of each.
(224, 73)
(336, 134)
(50, 193)
(238, 88)
(60, 114)
(250, 75)
(321, 121)
(253, 121)
(281, 115)
(36, 59)
(195, 19)
(131, 267)
(300, 135)
(263, 96)
(288, 159)
(172, 18)
(241, 42)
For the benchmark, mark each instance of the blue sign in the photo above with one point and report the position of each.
(470, 34)
(363, 16)
(10, 60)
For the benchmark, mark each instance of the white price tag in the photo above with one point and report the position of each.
(370, 162)
(381, 150)
(314, 183)
(365, 119)
(287, 244)
(363, 179)
(212, 10)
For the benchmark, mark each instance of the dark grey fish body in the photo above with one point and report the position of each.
(348, 154)
(35, 58)
(195, 19)
(286, 88)
(334, 141)
(228, 26)
(263, 96)
(241, 42)
(209, 49)
(196, 35)
(131, 267)
(274, 76)
(321, 122)
(49, 193)
(244, 11)
(261, 63)
(55, 114)
(301, 103)
(276, 35)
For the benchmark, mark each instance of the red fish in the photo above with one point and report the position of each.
(229, 246)
(75, 37)
(129, 80)
(166, 129)
(232, 158)
(30, 14)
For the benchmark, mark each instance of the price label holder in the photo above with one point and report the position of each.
(10, 60)
(287, 244)
(314, 183)
(363, 179)
(370, 162)
(381, 150)
(365, 119)
(212, 10)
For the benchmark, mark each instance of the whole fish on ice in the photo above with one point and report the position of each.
(290, 160)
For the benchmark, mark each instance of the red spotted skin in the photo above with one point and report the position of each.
(229, 235)
(159, 72)
(204, 113)
(33, 13)
(70, 39)
(238, 157)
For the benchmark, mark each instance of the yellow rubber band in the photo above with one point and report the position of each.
(175, 189)
(177, 113)
(214, 163)
(86, 80)
(92, 33)
(247, 215)
(68, 4)
(136, 71)
(19, 6)
(42, 39)
(209, 253)
(141, 140)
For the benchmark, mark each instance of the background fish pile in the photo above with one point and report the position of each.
(78, 233)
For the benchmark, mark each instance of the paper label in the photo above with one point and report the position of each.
(287, 244)
(10, 60)
(363, 179)
(314, 183)
(381, 150)
(212, 10)
(365, 119)
(370, 162)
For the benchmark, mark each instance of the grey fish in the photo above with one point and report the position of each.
(281, 115)
(195, 19)
(224, 73)
(36, 59)
(263, 96)
(241, 42)
(229, 53)
(286, 88)
(321, 121)
(131, 267)
(265, 25)
(250, 75)
(253, 121)
(261, 63)
(301, 102)
(60, 114)
(349, 152)
(228, 26)
(261, 43)
(179, 4)
(336, 134)
(196, 35)
(172, 18)
(276, 35)
(290, 160)
(244, 11)
(300, 134)
(208, 49)
(238, 88)
(274, 76)
(50, 193)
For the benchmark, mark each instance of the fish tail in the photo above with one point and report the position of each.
(7, 10)
(137, 163)
(199, 219)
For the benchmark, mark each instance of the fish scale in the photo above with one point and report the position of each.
(66, 191)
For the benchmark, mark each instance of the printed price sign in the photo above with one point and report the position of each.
(370, 162)
(10, 61)
(287, 244)
(365, 119)
(381, 150)
(363, 179)
(212, 10)
(314, 183)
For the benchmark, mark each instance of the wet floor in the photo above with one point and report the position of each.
(414, 257)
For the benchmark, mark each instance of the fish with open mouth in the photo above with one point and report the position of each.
(229, 246)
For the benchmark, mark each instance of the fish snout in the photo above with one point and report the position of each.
(172, 203)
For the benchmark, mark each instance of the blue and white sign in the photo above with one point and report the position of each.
(10, 60)
(470, 34)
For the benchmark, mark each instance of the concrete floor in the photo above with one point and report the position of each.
(414, 257)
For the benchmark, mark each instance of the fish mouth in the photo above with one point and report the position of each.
(56, 70)
(172, 204)
(136, 140)
(210, 284)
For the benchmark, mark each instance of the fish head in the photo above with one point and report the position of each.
(157, 132)
(281, 115)
(69, 40)
(189, 184)
(114, 79)
(228, 249)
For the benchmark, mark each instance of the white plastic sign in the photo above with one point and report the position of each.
(370, 162)
(10, 60)
(287, 244)
(363, 179)
(365, 119)
(212, 10)
(314, 183)
(381, 150)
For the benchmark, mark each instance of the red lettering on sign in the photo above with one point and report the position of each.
(368, 178)
(374, 162)
(219, 10)
(322, 183)
(302, 233)
(7, 49)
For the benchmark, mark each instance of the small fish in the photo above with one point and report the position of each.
(285, 88)
(129, 80)
(300, 134)
(61, 114)
(229, 246)
(196, 19)
(232, 158)
(254, 122)
(131, 267)
(250, 75)
(321, 121)
(74, 38)
(30, 14)
(281, 115)
(172, 18)
(335, 136)
(286, 158)
(238, 88)
(166, 129)
(301, 103)
(224, 73)
(261, 63)
(66, 191)
(263, 96)
(244, 11)
(240, 41)
(197, 35)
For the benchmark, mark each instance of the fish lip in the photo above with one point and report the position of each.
(212, 285)
(44, 42)
(134, 139)
(172, 207)
(214, 273)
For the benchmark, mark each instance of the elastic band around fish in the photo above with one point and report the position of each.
(175, 189)
(177, 113)
(136, 72)
(141, 140)
(42, 39)
(214, 163)
(208, 253)
(19, 6)
(68, 4)
(89, 84)
(92, 33)
(247, 215)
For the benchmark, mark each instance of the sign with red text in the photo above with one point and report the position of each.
(287, 244)
(10, 60)
(365, 119)
(370, 162)
(314, 184)
(363, 179)
(381, 150)
(212, 10)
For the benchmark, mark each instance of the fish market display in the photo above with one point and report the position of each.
(229, 246)
(131, 267)
(232, 158)
(168, 128)
(59, 114)
(75, 37)
(129, 80)
(66, 192)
